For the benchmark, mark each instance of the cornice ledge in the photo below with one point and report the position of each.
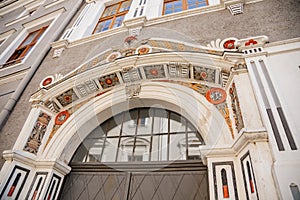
(238, 145)
(30, 160)
(249, 137)
(60, 44)
(20, 156)
(56, 165)
(135, 22)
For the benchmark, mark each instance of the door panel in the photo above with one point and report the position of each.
(175, 181)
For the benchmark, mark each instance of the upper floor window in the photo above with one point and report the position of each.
(173, 6)
(25, 47)
(113, 16)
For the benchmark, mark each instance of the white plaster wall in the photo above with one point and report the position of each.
(285, 75)
(284, 70)
(248, 103)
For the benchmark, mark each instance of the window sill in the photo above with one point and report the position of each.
(17, 20)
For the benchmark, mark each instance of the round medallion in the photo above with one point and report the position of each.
(216, 95)
(113, 56)
(68, 98)
(229, 44)
(203, 74)
(46, 81)
(153, 72)
(108, 81)
(62, 117)
(144, 49)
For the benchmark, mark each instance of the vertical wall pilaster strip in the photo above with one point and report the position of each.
(278, 106)
(268, 108)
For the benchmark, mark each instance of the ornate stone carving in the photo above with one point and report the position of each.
(37, 134)
(133, 90)
(57, 52)
(235, 105)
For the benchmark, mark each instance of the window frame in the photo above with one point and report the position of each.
(184, 5)
(128, 142)
(15, 56)
(112, 17)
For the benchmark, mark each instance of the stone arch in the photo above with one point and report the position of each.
(175, 97)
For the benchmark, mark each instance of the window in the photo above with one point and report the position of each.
(165, 136)
(173, 6)
(25, 47)
(113, 16)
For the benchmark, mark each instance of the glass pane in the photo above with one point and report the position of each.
(110, 150)
(196, 3)
(191, 127)
(111, 10)
(118, 21)
(160, 121)
(103, 26)
(159, 148)
(94, 147)
(144, 122)
(194, 142)
(114, 126)
(129, 124)
(142, 148)
(125, 6)
(177, 147)
(126, 149)
(29, 38)
(177, 123)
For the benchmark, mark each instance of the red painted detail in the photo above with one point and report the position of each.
(251, 186)
(108, 81)
(225, 191)
(154, 72)
(251, 41)
(11, 191)
(62, 117)
(143, 50)
(229, 44)
(130, 39)
(47, 81)
(216, 95)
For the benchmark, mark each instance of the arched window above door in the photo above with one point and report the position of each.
(141, 134)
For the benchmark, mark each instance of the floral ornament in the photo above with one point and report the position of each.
(216, 95)
(62, 117)
(67, 97)
(229, 44)
(154, 71)
(130, 39)
(46, 81)
(250, 42)
(109, 81)
(204, 74)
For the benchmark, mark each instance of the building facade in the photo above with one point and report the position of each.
(139, 99)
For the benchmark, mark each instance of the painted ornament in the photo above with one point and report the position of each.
(62, 117)
(216, 95)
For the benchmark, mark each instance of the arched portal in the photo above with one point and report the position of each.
(190, 86)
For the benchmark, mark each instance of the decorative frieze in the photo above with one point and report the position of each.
(37, 133)
(67, 97)
(154, 71)
(235, 106)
